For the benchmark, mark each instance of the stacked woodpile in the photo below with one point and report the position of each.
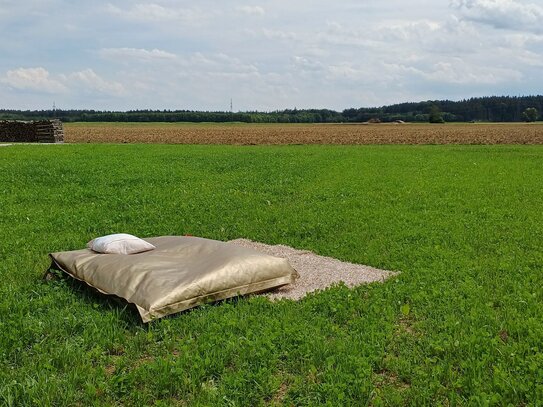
(17, 131)
(49, 131)
(43, 131)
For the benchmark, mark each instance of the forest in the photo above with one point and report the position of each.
(478, 109)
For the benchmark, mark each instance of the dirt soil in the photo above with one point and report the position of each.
(251, 134)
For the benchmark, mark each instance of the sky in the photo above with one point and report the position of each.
(265, 55)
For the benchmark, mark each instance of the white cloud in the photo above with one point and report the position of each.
(346, 70)
(252, 10)
(505, 14)
(36, 79)
(337, 34)
(279, 34)
(307, 64)
(457, 71)
(135, 53)
(522, 40)
(88, 80)
(454, 72)
(41, 81)
(217, 64)
(152, 12)
(408, 30)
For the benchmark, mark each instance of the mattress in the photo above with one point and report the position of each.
(181, 273)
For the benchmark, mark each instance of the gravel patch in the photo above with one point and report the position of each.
(316, 272)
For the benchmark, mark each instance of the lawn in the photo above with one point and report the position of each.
(461, 324)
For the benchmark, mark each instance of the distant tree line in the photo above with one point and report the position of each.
(488, 109)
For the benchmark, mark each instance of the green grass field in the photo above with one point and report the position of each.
(461, 324)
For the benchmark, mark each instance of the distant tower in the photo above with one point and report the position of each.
(54, 109)
(231, 106)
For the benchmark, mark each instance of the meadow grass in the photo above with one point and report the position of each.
(461, 324)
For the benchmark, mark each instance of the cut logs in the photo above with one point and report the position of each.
(43, 131)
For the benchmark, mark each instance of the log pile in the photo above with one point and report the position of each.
(49, 131)
(43, 131)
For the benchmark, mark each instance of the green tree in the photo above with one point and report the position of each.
(435, 115)
(530, 114)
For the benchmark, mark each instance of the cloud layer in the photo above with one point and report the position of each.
(267, 55)
(503, 14)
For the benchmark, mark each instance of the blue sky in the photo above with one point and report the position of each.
(265, 55)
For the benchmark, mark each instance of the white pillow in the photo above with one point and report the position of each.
(119, 243)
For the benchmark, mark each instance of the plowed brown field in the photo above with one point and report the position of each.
(514, 133)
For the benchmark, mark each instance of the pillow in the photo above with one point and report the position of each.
(119, 243)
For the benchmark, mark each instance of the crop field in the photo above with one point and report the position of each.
(462, 324)
(248, 134)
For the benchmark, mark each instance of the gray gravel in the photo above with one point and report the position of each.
(316, 272)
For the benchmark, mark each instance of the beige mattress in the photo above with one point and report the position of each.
(181, 273)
